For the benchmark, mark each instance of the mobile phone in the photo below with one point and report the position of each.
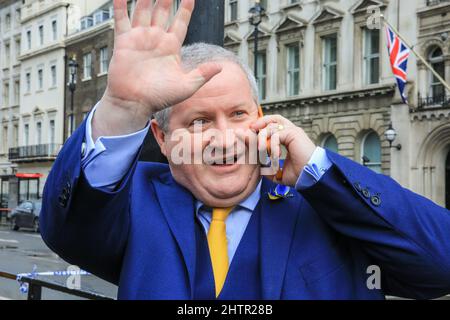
(279, 174)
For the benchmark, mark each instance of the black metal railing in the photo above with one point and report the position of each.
(34, 152)
(35, 288)
(435, 2)
(437, 101)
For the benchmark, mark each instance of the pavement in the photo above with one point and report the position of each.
(21, 250)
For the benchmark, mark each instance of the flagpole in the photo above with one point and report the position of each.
(437, 75)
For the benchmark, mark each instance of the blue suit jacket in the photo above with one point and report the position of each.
(315, 245)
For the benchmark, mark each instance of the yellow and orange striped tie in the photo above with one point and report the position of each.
(218, 249)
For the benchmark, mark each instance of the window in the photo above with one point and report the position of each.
(104, 60)
(28, 82)
(15, 139)
(261, 74)
(7, 55)
(26, 134)
(18, 16)
(38, 133)
(87, 66)
(233, 10)
(293, 70)
(101, 16)
(86, 22)
(40, 79)
(6, 94)
(371, 56)
(17, 49)
(29, 39)
(54, 30)
(5, 139)
(41, 35)
(7, 21)
(371, 151)
(53, 74)
(70, 125)
(330, 143)
(16, 92)
(52, 131)
(437, 62)
(330, 62)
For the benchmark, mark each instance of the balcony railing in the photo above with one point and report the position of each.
(36, 152)
(438, 101)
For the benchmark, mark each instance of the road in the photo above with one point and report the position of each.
(21, 250)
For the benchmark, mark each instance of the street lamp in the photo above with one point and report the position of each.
(255, 20)
(73, 68)
(391, 135)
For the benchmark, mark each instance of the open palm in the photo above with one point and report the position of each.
(145, 70)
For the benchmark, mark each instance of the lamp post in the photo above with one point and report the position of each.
(255, 20)
(73, 68)
(391, 135)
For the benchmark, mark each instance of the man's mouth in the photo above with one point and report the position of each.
(224, 162)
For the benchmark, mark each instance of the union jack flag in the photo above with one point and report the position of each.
(398, 54)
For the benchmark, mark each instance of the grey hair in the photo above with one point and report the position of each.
(196, 54)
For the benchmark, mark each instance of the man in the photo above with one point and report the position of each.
(208, 229)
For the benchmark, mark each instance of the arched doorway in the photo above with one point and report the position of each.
(371, 151)
(330, 142)
(447, 182)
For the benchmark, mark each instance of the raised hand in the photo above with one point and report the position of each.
(145, 73)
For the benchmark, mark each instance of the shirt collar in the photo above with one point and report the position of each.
(249, 203)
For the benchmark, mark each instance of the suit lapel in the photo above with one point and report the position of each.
(177, 203)
(278, 220)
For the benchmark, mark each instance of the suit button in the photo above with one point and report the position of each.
(376, 201)
(366, 193)
(62, 201)
(357, 186)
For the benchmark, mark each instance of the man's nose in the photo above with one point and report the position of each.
(224, 136)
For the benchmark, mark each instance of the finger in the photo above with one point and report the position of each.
(121, 21)
(161, 13)
(202, 74)
(142, 14)
(266, 120)
(272, 128)
(275, 146)
(180, 24)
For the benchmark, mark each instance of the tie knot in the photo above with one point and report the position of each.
(221, 214)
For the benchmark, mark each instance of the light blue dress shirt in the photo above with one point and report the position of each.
(106, 161)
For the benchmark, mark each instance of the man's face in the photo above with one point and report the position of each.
(224, 103)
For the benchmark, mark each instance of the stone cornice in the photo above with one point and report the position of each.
(381, 90)
(430, 114)
(44, 50)
(40, 12)
(89, 33)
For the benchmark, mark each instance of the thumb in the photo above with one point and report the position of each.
(203, 73)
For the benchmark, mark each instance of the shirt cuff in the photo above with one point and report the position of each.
(106, 161)
(317, 166)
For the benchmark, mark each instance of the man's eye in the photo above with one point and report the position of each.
(238, 113)
(199, 122)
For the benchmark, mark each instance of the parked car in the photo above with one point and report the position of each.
(26, 215)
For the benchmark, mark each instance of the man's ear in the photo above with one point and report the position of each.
(160, 136)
